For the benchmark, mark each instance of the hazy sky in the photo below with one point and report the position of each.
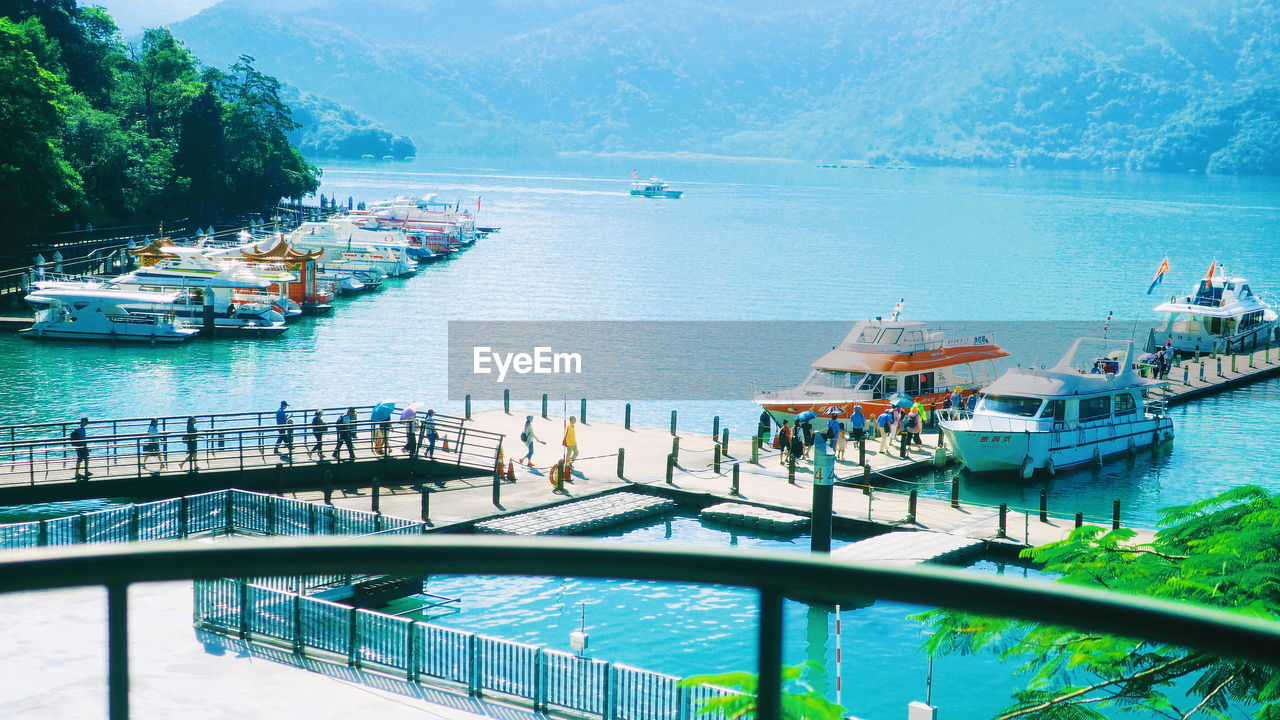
(134, 15)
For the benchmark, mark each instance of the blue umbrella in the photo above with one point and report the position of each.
(382, 411)
(806, 416)
(901, 400)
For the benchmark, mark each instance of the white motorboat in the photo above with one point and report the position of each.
(1070, 414)
(382, 250)
(80, 311)
(1222, 313)
(654, 188)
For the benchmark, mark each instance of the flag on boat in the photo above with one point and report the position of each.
(635, 174)
(1160, 273)
(1212, 266)
(478, 198)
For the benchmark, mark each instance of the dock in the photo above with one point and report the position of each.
(14, 324)
(755, 518)
(579, 516)
(1193, 378)
(910, 548)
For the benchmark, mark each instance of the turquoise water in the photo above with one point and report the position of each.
(750, 240)
(695, 629)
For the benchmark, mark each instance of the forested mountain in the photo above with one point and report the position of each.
(96, 131)
(329, 130)
(1142, 84)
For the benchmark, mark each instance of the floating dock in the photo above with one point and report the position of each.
(580, 515)
(910, 548)
(756, 518)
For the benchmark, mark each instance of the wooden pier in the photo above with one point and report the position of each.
(1194, 378)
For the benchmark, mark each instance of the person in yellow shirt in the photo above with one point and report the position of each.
(571, 439)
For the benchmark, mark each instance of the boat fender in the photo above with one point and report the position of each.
(1132, 446)
(1028, 468)
(1049, 467)
(1097, 455)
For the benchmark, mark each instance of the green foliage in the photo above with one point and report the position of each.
(327, 129)
(799, 700)
(1222, 552)
(100, 132)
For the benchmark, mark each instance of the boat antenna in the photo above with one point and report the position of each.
(1106, 327)
(897, 309)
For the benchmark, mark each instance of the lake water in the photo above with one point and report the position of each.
(750, 240)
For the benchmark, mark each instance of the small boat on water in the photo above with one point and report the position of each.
(881, 359)
(654, 188)
(1220, 313)
(1086, 408)
(85, 312)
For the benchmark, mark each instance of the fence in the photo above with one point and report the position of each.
(549, 680)
(224, 512)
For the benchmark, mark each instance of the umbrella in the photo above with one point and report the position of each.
(901, 400)
(411, 411)
(382, 411)
(1146, 357)
(806, 416)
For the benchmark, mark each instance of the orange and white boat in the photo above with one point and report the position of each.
(880, 361)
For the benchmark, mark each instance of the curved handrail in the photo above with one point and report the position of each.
(804, 576)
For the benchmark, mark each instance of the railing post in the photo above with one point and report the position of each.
(715, 428)
(133, 523)
(506, 400)
(473, 660)
(467, 401)
(271, 514)
(1004, 520)
(242, 588)
(755, 450)
(539, 681)
(118, 651)
(1115, 514)
(622, 459)
(673, 422)
(229, 502)
(582, 411)
(297, 622)
(414, 651)
(42, 533)
(671, 468)
(733, 487)
(955, 491)
(912, 500)
(724, 441)
(1044, 506)
(609, 702)
(626, 418)
(769, 656)
(544, 406)
(184, 510)
(791, 470)
(675, 448)
(375, 499)
(425, 502)
(353, 638)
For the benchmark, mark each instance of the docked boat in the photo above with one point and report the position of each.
(358, 247)
(880, 360)
(92, 313)
(654, 188)
(1086, 408)
(1221, 313)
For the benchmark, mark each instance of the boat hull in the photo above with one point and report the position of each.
(1024, 452)
(786, 409)
(62, 333)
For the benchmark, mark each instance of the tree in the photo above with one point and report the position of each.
(1223, 552)
(799, 700)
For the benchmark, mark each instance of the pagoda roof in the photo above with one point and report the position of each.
(282, 251)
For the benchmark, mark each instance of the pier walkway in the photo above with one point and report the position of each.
(1195, 378)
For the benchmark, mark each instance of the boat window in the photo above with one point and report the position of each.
(1244, 292)
(913, 336)
(891, 336)
(868, 334)
(926, 383)
(911, 384)
(869, 381)
(1054, 410)
(1096, 408)
(890, 384)
(1125, 405)
(1011, 405)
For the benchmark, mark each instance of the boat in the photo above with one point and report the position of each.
(1088, 407)
(880, 360)
(358, 246)
(1221, 313)
(654, 188)
(81, 311)
(308, 294)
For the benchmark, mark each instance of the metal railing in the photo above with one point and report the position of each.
(129, 452)
(774, 576)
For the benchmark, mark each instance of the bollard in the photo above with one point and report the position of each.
(671, 468)
(622, 459)
(497, 486)
(1079, 519)
(1186, 374)
(1201, 371)
(506, 400)
(328, 488)
(626, 418)
(1220, 368)
(468, 405)
(715, 428)
(733, 486)
(1044, 506)
(544, 406)
(673, 422)
(675, 449)
(724, 441)
(866, 479)
(755, 451)
(1233, 364)
(376, 487)
(582, 411)
(791, 470)
(1115, 514)
(560, 470)
(1004, 519)
(862, 452)
(911, 507)
(715, 460)
(1251, 366)
(955, 491)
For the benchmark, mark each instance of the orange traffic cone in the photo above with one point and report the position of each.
(445, 446)
(511, 471)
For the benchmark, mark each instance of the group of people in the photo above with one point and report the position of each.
(569, 441)
(905, 425)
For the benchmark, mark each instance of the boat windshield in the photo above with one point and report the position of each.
(840, 379)
(1011, 405)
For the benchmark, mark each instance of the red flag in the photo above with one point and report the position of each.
(1212, 266)
(634, 174)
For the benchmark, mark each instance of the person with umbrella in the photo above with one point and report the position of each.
(381, 414)
(804, 433)
(410, 418)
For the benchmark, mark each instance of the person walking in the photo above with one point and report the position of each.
(805, 431)
(782, 441)
(957, 401)
(282, 414)
(885, 422)
(151, 446)
(528, 437)
(429, 423)
(570, 441)
(795, 451)
(410, 419)
(79, 438)
(842, 443)
(835, 434)
(191, 437)
(318, 428)
(346, 427)
(288, 440)
(915, 426)
(763, 426)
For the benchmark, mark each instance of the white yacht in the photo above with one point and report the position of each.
(654, 188)
(93, 313)
(1222, 312)
(1070, 414)
(384, 250)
